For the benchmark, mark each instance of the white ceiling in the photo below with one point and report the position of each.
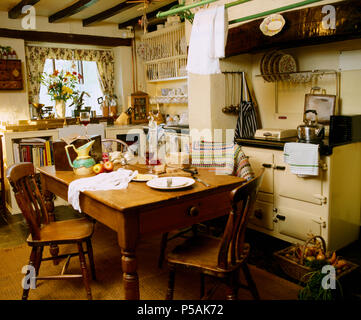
(48, 7)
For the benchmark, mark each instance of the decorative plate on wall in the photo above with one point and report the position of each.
(287, 64)
(272, 25)
(264, 65)
(142, 49)
(270, 68)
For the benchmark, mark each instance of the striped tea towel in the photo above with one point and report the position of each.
(242, 167)
(215, 156)
(303, 158)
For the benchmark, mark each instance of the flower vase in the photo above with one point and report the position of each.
(60, 108)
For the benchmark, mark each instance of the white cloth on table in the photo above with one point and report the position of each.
(115, 180)
(303, 158)
(207, 41)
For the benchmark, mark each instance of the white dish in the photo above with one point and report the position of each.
(272, 25)
(177, 183)
(144, 177)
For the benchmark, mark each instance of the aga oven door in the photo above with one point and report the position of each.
(263, 213)
(292, 186)
(261, 158)
(298, 224)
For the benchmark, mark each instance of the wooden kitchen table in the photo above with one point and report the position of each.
(139, 210)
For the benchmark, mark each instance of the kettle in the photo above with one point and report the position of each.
(311, 130)
(83, 164)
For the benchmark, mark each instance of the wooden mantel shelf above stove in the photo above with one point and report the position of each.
(303, 27)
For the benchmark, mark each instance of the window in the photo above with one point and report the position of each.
(91, 84)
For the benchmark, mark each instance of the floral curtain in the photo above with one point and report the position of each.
(36, 57)
(35, 61)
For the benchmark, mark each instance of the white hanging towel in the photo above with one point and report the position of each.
(303, 158)
(115, 180)
(208, 40)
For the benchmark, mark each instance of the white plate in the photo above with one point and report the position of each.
(272, 25)
(144, 177)
(177, 183)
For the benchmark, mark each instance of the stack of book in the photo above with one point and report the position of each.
(39, 151)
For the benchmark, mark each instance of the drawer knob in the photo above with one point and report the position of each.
(193, 211)
(258, 214)
(280, 217)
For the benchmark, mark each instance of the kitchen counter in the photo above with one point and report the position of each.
(125, 127)
(278, 144)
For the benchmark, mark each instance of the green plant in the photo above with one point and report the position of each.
(78, 99)
(313, 290)
(61, 85)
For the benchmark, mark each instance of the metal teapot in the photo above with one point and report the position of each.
(311, 130)
(83, 164)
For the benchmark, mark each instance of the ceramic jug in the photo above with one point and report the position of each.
(83, 164)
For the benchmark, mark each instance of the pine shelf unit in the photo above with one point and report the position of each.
(11, 138)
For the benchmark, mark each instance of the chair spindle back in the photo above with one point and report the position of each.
(243, 199)
(28, 197)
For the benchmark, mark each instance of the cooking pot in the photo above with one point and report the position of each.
(311, 130)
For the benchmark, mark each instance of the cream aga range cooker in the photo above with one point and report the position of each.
(290, 207)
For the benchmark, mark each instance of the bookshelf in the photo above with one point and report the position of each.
(36, 150)
(33, 146)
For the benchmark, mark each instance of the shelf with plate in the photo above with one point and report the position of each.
(297, 76)
(172, 68)
(277, 65)
(164, 54)
(179, 99)
(168, 79)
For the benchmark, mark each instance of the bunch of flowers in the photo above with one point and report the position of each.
(61, 85)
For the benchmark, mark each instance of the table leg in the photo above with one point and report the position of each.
(130, 275)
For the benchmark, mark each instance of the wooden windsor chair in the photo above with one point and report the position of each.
(44, 232)
(221, 258)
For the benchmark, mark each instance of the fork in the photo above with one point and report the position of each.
(194, 172)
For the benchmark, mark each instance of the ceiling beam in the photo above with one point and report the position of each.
(108, 13)
(71, 10)
(15, 12)
(150, 15)
(56, 37)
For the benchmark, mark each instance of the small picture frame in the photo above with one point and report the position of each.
(100, 100)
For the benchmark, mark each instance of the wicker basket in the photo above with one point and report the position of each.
(297, 270)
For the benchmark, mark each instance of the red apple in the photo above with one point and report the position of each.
(98, 168)
(108, 166)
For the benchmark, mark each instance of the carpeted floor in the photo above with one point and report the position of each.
(108, 286)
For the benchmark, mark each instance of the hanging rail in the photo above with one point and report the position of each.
(197, 4)
(268, 12)
(228, 5)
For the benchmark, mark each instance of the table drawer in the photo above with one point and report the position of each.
(185, 213)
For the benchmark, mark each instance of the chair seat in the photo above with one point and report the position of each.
(64, 231)
(202, 252)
